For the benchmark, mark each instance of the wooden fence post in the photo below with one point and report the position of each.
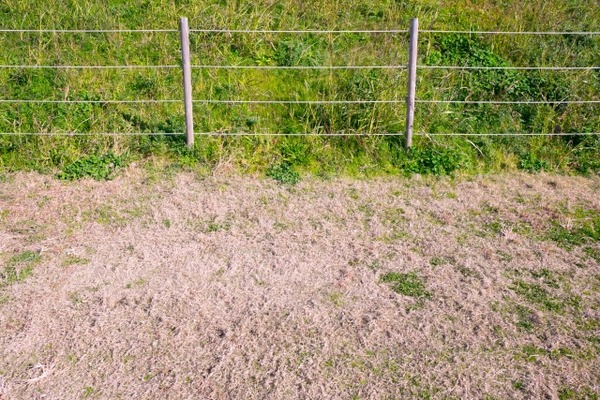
(412, 80)
(187, 81)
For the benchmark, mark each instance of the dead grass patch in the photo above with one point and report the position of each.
(230, 287)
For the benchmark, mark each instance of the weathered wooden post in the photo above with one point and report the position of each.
(412, 80)
(187, 81)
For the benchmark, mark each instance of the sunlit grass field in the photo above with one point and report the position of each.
(322, 154)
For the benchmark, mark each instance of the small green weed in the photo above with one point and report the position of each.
(593, 253)
(74, 260)
(525, 318)
(98, 167)
(440, 260)
(504, 256)
(433, 160)
(468, 272)
(585, 229)
(137, 283)
(581, 393)
(284, 173)
(88, 391)
(105, 215)
(532, 353)
(147, 377)
(394, 215)
(75, 297)
(548, 277)
(336, 299)
(536, 294)
(213, 226)
(407, 284)
(25, 257)
(19, 267)
(530, 163)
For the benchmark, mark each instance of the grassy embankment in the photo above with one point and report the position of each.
(320, 155)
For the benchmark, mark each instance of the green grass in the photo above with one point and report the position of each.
(407, 284)
(440, 260)
(536, 294)
(593, 253)
(580, 393)
(284, 173)
(19, 267)
(74, 260)
(96, 167)
(585, 229)
(98, 157)
(548, 292)
(532, 353)
(526, 320)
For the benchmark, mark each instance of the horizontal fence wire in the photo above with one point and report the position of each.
(266, 67)
(323, 67)
(508, 101)
(389, 31)
(301, 101)
(247, 134)
(513, 134)
(308, 31)
(294, 67)
(91, 133)
(88, 66)
(393, 134)
(20, 101)
(87, 30)
(291, 31)
(209, 101)
(511, 32)
(507, 68)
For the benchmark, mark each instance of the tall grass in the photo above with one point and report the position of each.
(320, 154)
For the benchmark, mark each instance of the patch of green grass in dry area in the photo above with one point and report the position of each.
(336, 298)
(137, 283)
(88, 392)
(111, 215)
(593, 253)
(407, 284)
(468, 272)
(284, 173)
(532, 353)
(526, 319)
(74, 260)
(19, 267)
(537, 294)
(584, 228)
(98, 167)
(441, 260)
(547, 277)
(32, 230)
(579, 393)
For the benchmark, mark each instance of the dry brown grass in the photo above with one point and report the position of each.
(238, 288)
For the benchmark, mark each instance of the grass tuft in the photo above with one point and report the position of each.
(407, 284)
(536, 294)
(284, 173)
(19, 267)
(585, 229)
(98, 167)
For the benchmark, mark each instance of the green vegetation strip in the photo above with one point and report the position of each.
(552, 97)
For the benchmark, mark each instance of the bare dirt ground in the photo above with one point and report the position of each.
(240, 288)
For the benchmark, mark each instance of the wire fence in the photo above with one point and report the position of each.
(410, 100)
